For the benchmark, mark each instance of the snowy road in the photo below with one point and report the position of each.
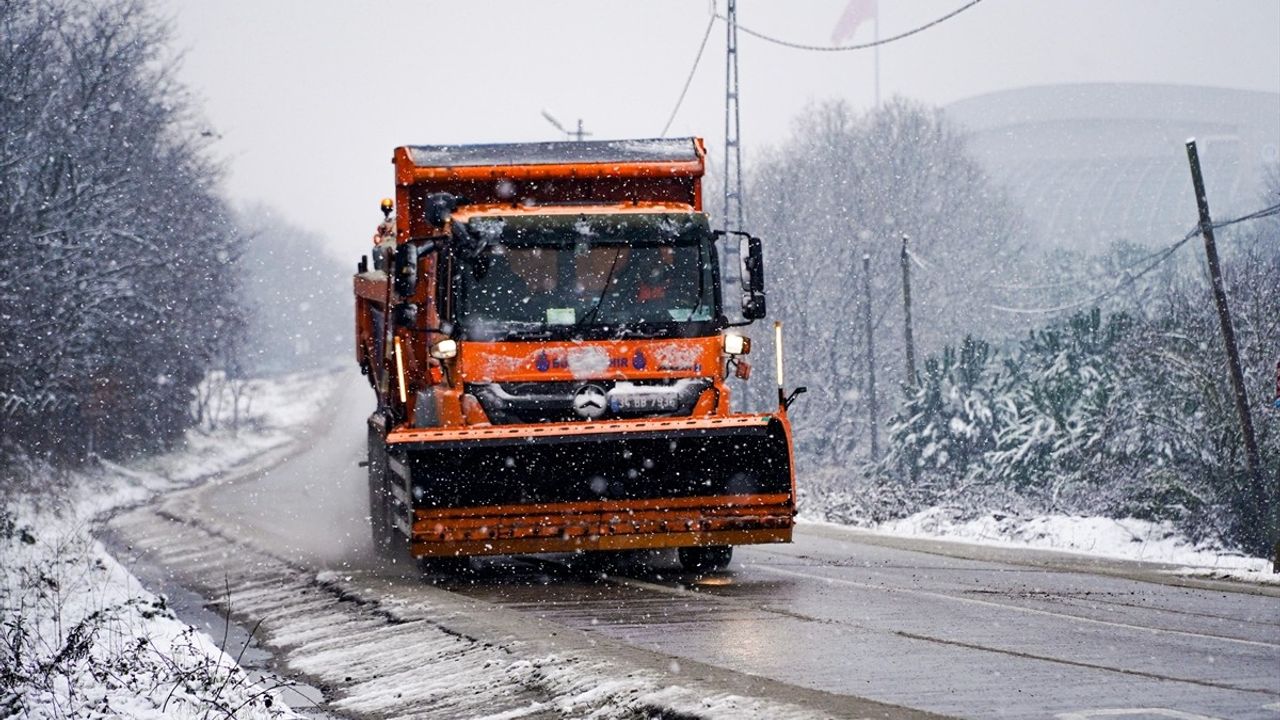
(819, 627)
(965, 637)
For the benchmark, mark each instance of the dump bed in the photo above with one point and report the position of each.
(602, 172)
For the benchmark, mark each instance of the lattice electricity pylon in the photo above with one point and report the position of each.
(732, 206)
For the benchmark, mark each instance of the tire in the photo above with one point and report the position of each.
(380, 527)
(705, 558)
(446, 565)
(595, 562)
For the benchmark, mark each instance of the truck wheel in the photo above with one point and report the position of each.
(705, 558)
(596, 562)
(381, 529)
(449, 565)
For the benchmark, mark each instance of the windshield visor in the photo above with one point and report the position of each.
(585, 275)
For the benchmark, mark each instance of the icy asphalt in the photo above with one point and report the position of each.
(839, 623)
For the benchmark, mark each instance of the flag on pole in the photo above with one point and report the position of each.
(858, 12)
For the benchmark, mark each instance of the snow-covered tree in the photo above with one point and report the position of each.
(117, 280)
(847, 185)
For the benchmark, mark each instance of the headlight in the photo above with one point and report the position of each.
(445, 349)
(735, 344)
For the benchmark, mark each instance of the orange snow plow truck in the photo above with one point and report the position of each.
(543, 326)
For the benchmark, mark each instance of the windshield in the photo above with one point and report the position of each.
(585, 275)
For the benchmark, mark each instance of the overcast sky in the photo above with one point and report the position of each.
(310, 96)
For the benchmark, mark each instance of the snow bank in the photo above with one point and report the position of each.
(80, 637)
(1126, 539)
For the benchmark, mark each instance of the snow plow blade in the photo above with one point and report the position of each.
(594, 486)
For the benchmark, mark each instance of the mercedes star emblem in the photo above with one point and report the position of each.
(590, 401)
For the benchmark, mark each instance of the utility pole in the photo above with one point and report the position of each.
(732, 154)
(906, 308)
(1253, 462)
(876, 50)
(873, 408)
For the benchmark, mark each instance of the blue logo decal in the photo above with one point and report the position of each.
(638, 362)
(543, 363)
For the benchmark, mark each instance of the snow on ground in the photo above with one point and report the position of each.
(1125, 539)
(269, 411)
(79, 636)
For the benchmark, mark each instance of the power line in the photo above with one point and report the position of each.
(683, 91)
(1075, 281)
(1264, 212)
(1156, 259)
(862, 46)
(1160, 257)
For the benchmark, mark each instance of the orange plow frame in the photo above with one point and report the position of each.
(609, 524)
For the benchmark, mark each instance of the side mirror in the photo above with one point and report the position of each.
(405, 314)
(439, 207)
(753, 302)
(752, 264)
(470, 245)
(406, 269)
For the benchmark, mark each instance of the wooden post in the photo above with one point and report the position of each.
(914, 472)
(1275, 546)
(1252, 459)
(906, 308)
(873, 409)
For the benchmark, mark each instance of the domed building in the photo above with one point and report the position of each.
(1095, 163)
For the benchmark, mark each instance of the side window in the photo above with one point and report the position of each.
(712, 268)
(445, 280)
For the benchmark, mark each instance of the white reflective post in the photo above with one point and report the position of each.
(777, 358)
(400, 371)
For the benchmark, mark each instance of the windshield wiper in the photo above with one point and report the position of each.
(532, 330)
(641, 332)
(590, 314)
(543, 334)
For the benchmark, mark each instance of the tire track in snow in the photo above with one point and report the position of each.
(389, 647)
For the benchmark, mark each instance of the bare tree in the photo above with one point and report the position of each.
(118, 280)
(845, 185)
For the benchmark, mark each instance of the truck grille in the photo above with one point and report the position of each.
(534, 402)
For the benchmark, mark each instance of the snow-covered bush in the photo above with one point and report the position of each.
(1058, 394)
(1116, 415)
(948, 424)
(79, 635)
